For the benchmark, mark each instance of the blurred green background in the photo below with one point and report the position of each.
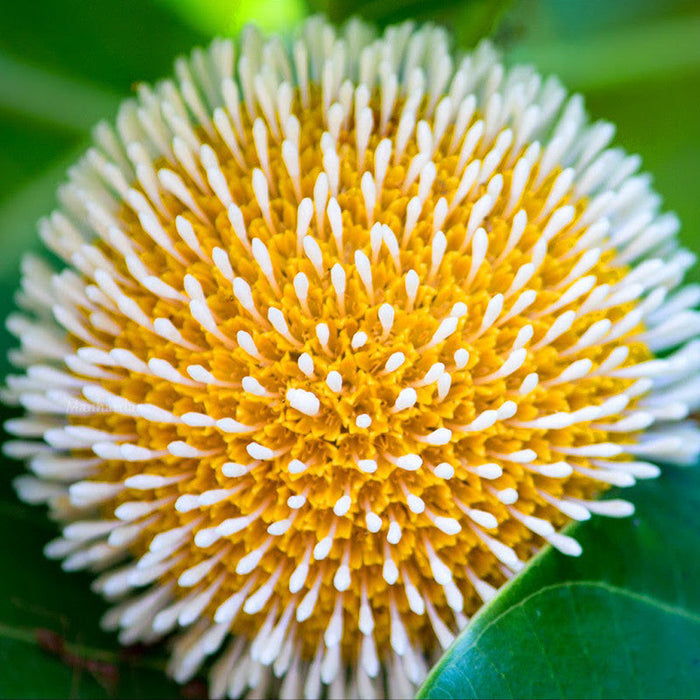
(66, 64)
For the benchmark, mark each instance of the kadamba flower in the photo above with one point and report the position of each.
(347, 331)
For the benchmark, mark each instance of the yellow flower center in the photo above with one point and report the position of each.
(364, 385)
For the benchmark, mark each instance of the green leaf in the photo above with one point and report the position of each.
(577, 640)
(655, 554)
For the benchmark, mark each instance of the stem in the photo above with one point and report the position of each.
(116, 657)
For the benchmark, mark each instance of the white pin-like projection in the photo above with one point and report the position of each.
(322, 313)
(358, 340)
(339, 281)
(334, 380)
(304, 401)
(364, 420)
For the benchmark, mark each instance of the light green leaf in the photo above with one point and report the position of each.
(224, 18)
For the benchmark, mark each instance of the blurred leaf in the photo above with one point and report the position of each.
(40, 664)
(64, 66)
(45, 96)
(655, 554)
(476, 20)
(577, 640)
(575, 19)
(647, 52)
(19, 213)
(102, 41)
(469, 20)
(224, 18)
(26, 148)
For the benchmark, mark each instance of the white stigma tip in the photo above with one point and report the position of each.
(334, 380)
(258, 451)
(406, 399)
(368, 466)
(297, 501)
(444, 470)
(394, 362)
(358, 340)
(342, 505)
(507, 496)
(394, 534)
(415, 503)
(296, 467)
(441, 436)
(489, 471)
(323, 334)
(341, 580)
(374, 522)
(306, 364)
(410, 463)
(461, 358)
(305, 402)
(363, 421)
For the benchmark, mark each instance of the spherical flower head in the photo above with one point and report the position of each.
(346, 331)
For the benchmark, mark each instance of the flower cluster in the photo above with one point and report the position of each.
(347, 331)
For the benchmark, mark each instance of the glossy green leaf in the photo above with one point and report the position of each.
(654, 554)
(578, 640)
